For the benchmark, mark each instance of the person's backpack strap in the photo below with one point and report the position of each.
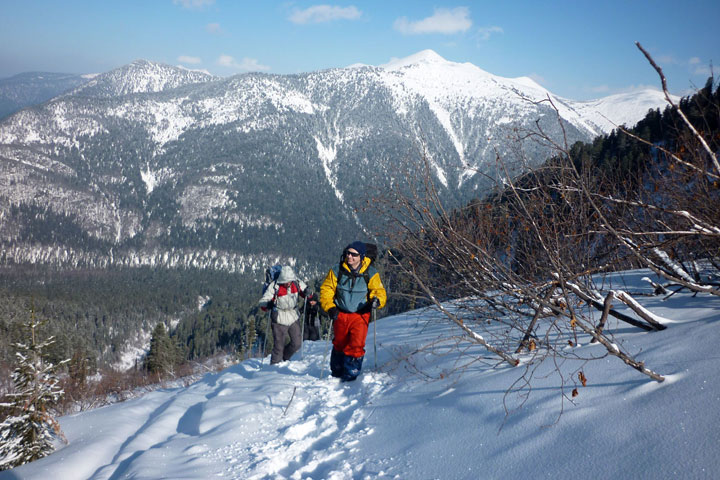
(367, 277)
(338, 276)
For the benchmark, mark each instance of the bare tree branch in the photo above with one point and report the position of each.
(699, 137)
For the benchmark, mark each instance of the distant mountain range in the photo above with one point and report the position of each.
(32, 88)
(156, 165)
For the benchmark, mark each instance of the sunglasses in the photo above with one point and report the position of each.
(352, 254)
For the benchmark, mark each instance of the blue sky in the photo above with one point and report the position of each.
(577, 49)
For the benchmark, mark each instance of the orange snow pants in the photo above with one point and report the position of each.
(350, 330)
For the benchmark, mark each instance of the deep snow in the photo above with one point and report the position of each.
(433, 408)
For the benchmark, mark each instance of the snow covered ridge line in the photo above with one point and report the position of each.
(209, 259)
(92, 155)
(141, 76)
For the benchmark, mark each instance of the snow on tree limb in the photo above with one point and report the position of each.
(647, 315)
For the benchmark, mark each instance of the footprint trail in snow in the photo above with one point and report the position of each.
(305, 429)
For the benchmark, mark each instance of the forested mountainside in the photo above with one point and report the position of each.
(33, 88)
(106, 315)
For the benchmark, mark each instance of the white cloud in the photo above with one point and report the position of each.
(444, 20)
(486, 32)
(694, 64)
(194, 4)
(252, 65)
(698, 68)
(226, 61)
(201, 70)
(245, 65)
(324, 13)
(189, 60)
(214, 28)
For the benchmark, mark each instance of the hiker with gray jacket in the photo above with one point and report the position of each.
(281, 298)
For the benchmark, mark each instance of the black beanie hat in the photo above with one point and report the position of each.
(358, 246)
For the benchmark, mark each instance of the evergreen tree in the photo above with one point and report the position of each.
(251, 336)
(163, 354)
(29, 429)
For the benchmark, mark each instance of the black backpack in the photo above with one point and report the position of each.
(371, 252)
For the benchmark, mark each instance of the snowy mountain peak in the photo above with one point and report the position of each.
(142, 76)
(141, 63)
(422, 57)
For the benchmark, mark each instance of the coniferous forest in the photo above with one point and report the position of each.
(97, 313)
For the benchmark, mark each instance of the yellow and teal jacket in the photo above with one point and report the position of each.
(352, 291)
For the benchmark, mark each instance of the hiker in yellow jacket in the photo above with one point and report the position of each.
(349, 292)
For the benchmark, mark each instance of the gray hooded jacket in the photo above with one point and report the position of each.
(285, 300)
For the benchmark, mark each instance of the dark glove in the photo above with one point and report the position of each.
(270, 305)
(307, 293)
(375, 302)
(333, 313)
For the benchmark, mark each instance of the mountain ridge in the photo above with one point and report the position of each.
(140, 76)
(149, 168)
(154, 158)
(33, 88)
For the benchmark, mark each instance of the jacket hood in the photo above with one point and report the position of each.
(287, 275)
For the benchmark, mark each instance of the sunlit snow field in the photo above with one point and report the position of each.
(427, 407)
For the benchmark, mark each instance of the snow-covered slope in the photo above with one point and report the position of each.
(464, 86)
(433, 408)
(451, 87)
(626, 109)
(473, 106)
